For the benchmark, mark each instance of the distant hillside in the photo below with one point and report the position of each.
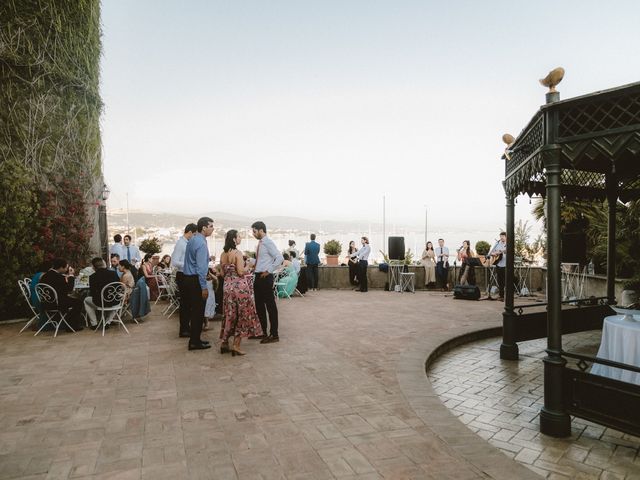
(168, 220)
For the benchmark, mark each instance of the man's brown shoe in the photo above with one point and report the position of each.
(270, 339)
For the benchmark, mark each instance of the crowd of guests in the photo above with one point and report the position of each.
(436, 264)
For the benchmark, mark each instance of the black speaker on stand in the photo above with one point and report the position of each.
(396, 248)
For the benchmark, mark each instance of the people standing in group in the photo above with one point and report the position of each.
(146, 270)
(268, 258)
(429, 264)
(196, 268)
(97, 281)
(178, 262)
(352, 263)
(117, 247)
(312, 260)
(362, 256)
(499, 254)
(240, 317)
(130, 252)
(467, 272)
(442, 265)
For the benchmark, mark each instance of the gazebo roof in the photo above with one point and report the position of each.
(598, 134)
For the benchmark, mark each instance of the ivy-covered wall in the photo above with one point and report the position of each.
(50, 148)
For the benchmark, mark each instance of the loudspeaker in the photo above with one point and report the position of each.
(466, 292)
(396, 248)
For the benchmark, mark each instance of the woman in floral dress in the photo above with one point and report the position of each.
(240, 317)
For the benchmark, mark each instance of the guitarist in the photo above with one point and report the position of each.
(498, 256)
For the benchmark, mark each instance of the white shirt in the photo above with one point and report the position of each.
(269, 257)
(363, 253)
(296, 265)
(500, 247)
(133, 251)
(116, 248)
(177, 257)
(442, 254)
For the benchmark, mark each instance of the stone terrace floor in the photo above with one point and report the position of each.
(343, 395)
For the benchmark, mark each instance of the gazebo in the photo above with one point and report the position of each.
(586, 148)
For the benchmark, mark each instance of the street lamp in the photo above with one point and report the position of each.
(105, 192)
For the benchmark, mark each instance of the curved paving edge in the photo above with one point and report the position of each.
(411, 372)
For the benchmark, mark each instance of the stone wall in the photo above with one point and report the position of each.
(338, 277)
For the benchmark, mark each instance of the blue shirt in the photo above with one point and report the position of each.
(196, 259)
(311, 251)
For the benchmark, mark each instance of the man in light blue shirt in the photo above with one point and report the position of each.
(500, 250)
(131, 253)
(177, 259)
(268, 258)
(363, 264)
(195, 269)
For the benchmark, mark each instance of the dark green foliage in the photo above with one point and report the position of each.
(151, 245)
(332, 247)
(482, 247)
(49, 134)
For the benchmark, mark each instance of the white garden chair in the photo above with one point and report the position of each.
(48, 298)
(26, 293)
(112, 294)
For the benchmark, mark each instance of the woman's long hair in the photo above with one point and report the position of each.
(468, 249)
(230, 241)
(429, 246)
(352, 248)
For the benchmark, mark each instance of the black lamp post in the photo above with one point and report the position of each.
(102, 223)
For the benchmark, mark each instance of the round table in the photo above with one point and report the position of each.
(620, 343)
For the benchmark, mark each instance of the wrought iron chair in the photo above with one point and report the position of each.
(26, 293)
(172, 297)
(49, 303)
(163, 287)
(112, 294)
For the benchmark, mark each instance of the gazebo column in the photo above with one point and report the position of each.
(509, 347)
(612, 198)
(554, 420)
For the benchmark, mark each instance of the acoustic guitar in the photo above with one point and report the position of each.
(492, 259)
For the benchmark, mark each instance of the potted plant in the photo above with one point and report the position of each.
(151, 245)
(332, 250)
(630, 292)
(482, 248)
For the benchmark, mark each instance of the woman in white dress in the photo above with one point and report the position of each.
(429, 263)
(210, 306)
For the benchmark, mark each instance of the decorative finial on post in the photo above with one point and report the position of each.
(508, 139)
(553, 78)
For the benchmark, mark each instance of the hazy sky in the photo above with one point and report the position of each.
(318, 109)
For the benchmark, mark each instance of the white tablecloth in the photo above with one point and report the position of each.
(620, 343)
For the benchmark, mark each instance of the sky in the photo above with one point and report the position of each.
(319, 109)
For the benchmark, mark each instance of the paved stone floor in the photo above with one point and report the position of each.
(343, 395)
(500, 401)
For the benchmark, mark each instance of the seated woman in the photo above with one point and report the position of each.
(165, 263)
(146, 271)
(126, 269)
(467, 272)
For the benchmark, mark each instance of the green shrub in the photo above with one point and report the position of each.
(482, 247)
(151, 245)
(332, 247)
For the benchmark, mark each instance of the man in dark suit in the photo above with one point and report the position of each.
(101, 278)
(61, 278)
(312, 260)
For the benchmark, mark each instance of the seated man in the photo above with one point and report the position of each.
(115, 263)
(295, 262)
(97, 282)
(60, 278)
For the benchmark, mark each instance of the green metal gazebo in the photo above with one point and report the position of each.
(584, 148)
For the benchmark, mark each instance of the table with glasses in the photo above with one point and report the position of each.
(620, 343)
